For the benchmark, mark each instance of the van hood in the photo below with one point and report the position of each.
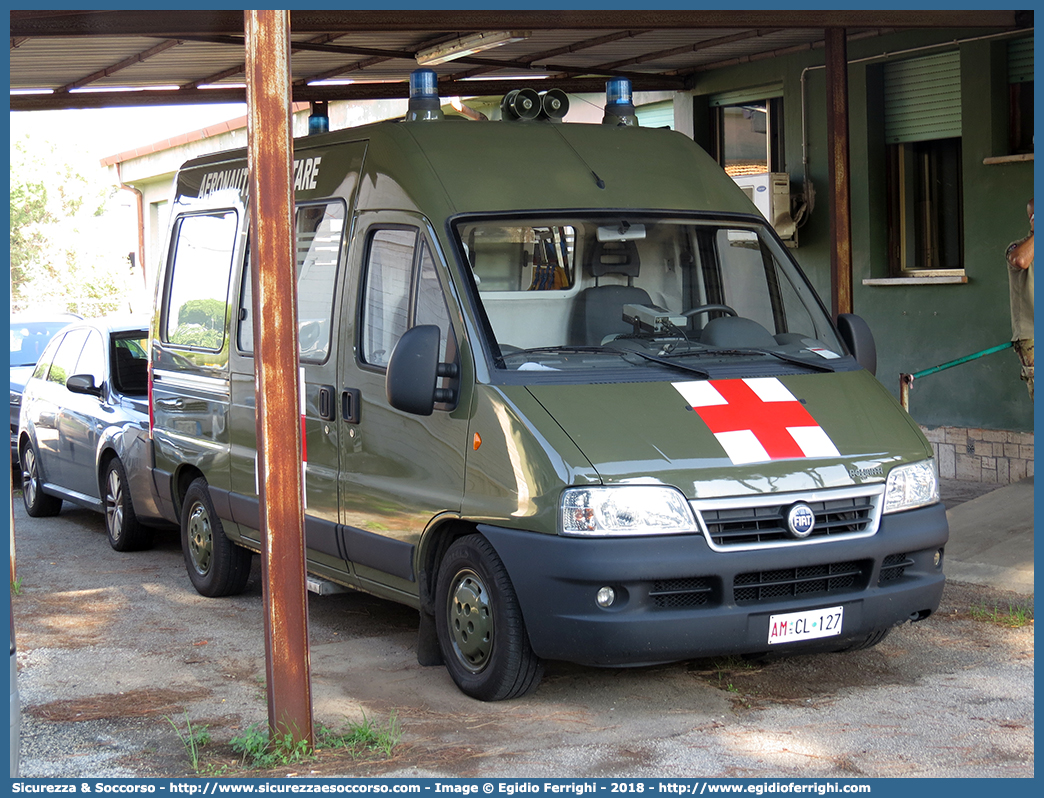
(717, 438)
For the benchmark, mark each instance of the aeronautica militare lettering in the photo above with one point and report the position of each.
(306, 177)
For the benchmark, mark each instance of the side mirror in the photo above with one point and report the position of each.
(83, 383)
(414, 370)
(860, 341)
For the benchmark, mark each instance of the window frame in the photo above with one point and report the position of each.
(912, 251)
(775, 145)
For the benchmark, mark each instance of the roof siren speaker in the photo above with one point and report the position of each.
(424, 104)
(522, 104)
(619, 106)
(554, 105)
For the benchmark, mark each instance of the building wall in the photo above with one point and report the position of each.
(916, 326)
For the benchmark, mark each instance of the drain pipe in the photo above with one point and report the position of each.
(140, 203)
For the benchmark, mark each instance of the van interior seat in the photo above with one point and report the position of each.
(598, 311)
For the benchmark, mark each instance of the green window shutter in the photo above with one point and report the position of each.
(923, 98)
(1020, 60)
(656, 114)
(741, 96)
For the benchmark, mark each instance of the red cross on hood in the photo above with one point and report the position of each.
(757, 420)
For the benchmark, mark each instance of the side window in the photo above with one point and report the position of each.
(40, 372)
(197, 290)
(319, 231)
(130, 365)
(923, 131)
(748, 134)
(1020, 96)
(386, 296)
(64, 364)
(92, 358)
(431, 304)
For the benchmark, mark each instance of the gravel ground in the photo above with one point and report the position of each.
(112, 645)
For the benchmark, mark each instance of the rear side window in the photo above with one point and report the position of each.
(197, 289)
(319, 232)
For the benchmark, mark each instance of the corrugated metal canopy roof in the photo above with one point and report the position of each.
(81, 59)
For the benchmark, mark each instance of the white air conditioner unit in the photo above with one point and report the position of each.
(770, 193)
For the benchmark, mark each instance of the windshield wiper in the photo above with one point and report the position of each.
(665, 362)
(797, 361)
(566, 350)
(558, 350)
(608, 350)
(815, 366)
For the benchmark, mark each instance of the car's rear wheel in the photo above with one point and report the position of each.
(37, 503)
(126, 532)
(480, 627)
(216, 566)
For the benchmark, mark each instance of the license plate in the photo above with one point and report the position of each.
(807, 625)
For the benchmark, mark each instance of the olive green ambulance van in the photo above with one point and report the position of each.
(563, 390)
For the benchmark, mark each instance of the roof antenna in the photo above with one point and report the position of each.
(598, 181)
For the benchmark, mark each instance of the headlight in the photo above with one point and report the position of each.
(625, 510)
(910, 486)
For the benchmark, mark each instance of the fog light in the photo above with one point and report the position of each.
(606, 596)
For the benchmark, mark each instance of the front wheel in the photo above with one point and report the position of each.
(37, 503)
(479, 622)
(216, 566)
(126, 532)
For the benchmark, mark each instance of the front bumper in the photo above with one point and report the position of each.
(677, 599)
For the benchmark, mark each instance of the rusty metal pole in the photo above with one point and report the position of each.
(839, 173)
(275, 331)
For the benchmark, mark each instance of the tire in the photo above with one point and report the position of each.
(479, 623)
(216, 566)
(126, 532)
(37, 503)
(869, 641)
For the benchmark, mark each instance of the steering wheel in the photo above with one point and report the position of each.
(708, 309)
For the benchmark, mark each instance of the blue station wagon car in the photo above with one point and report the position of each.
(29, 335)
(83, 429)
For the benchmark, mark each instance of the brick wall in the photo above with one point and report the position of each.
(982, 455)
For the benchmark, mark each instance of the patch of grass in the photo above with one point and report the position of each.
(193, 739)
(363, 739)
(258, 750)
(16, 586)
(1013, 617)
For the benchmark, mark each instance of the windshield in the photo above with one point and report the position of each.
(644, 292)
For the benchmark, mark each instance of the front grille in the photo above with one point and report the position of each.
(672, 594)
(737, 522)
(810, 580)
(893, 567)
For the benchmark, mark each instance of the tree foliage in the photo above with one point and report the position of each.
(67, 251)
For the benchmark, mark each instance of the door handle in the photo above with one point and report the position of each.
(350, 400)
(327, 410)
